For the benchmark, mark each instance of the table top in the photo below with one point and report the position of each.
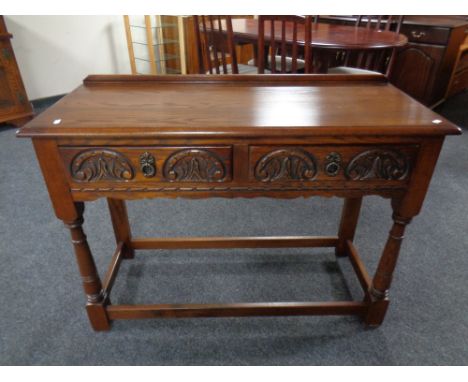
(236, 106)
(326, 35)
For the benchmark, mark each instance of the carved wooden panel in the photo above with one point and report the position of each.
(101, 164)
(308, 164)
(378, 164)
(194, 165)
(182, 168)
(286, 164)
(148, 164)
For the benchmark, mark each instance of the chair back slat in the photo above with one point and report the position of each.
(282, 43)
(222, 46)
(380, 22)
(214, 38)
(283, 46)
(294, 49)
(381, 60)
(212, 44)
(308, 45)
(272, 47)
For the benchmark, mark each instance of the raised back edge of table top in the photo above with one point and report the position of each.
(238, 79)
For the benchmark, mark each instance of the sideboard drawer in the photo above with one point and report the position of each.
(304, 164)
(110, 165)
(425, 34)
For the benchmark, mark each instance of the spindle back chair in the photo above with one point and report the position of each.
(382, 60)
(273, 46)
(383, 23)
(215, 45)
(376, 60)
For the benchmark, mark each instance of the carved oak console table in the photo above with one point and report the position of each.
(133, 137)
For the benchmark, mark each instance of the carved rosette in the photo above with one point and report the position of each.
(194, 165)
(378, 164)
(286, 164)
(94, 165)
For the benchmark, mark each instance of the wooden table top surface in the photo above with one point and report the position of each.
(326, 35)
(237, 106)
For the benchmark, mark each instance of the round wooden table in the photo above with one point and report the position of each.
(329, 41)
(325, 36)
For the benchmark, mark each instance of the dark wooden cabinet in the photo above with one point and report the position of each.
(423, 68)
(415, 70)
(14, 104)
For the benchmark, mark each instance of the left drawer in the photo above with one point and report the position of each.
(149, 164)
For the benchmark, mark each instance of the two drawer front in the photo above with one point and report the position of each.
(425, 34)
(148, 164)
(260, 166)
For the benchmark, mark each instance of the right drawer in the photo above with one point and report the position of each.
(308, 164)
(426, 34)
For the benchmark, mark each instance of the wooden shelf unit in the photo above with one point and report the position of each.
(155, 44)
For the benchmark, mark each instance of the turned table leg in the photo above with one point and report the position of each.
(89, 275)
(121, 225)
(383, 276)
(348, 224)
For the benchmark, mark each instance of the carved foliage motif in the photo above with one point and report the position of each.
(194, 165)
(94, 165)
(286, 164)
(378, 164)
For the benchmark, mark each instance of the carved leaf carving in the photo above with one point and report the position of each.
(94, 165)
(194, 165)
(378, 164)
(286, 164)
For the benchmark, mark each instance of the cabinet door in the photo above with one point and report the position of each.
(415, 68)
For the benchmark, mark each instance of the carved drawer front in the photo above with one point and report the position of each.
(304, 164)
(111, 165)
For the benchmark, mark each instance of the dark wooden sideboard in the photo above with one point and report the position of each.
(423, 68)
(14, 104)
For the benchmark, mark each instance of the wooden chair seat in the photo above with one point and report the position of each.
(289, 61)
(241, 69)
(350, 70)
